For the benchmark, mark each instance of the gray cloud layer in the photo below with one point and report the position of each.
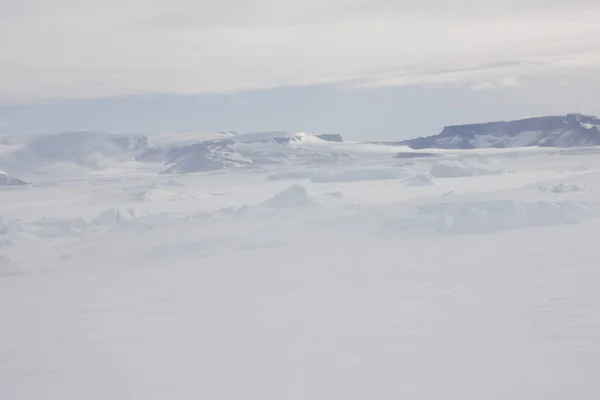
(69, 49)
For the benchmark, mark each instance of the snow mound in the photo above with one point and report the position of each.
(7, 180)
(460, 171)
(335, 195)
(490, 216)
(560, 188)
(564, 188)
(154, 195)
(421, 180)
(53, 228)
(197, 162)
(115, 216)
(292, 175)
(235, 211)
(8, 227)
(293, 197)
(173, 183)
(6, 268)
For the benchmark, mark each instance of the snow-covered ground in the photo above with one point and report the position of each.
(472, 275)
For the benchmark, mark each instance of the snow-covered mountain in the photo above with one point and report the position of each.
(171, 153)
(80, 145)
(177, 153)
(8, 180)
(82, 148)
(571, 130)
(180, 153)
(253, 150)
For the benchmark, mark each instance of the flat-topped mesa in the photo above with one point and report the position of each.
(331, 137)
(571, 130)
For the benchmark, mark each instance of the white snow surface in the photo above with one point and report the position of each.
(293, 197)
(345, 175)
(458, 170)
(118, 282)
(422, 180)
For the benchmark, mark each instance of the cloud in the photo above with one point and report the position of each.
(509, 81)
(505, 82)
(71, 49)
(484, 86)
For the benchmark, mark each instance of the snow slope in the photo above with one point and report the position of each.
(81, 150)
(386, 280)
(8, 180)
(256, 150)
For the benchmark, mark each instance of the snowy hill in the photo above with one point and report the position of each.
(7, 180)
(80, 148)
(80, 145)
(252, 150)
(571, 130)
(178, 153)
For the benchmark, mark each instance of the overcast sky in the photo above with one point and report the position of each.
(366, 68)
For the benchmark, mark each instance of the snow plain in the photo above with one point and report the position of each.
(472, 275)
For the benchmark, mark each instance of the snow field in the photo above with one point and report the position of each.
(375, 282)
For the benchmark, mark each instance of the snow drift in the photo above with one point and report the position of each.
(115, 216)
(490, 216)
(85, 148)
(293, 197)
(422, 180)
(354, 175)
(461, 170)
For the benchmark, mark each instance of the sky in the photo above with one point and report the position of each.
(367, 69)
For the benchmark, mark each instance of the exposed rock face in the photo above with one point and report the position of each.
(331, 137)
(571, 130)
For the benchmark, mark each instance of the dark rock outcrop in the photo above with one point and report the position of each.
(331, 137)
(571, 130)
